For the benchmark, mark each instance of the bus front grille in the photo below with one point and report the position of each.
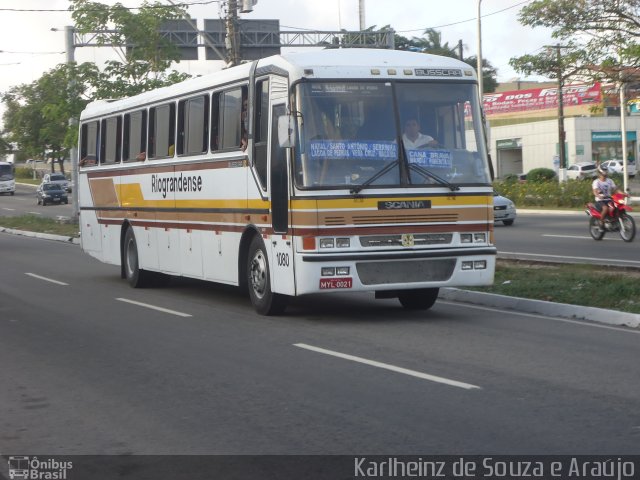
(403, 271)
(419, 239)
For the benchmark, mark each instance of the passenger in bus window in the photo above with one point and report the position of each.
(413, 138)
(141, 157)
(88, 161)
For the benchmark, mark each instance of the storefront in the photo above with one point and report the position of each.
(608, 146)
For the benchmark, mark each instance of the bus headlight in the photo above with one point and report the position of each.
(327, 243)
(343, 242)
(328, 271)
(479, 237)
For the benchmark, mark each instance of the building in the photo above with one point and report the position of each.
(524, 128)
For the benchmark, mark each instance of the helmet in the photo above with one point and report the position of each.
(602, 170)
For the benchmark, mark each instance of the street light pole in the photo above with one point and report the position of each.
(479, 58)
(73, 122)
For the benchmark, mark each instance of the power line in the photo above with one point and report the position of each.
(464, 21)
(184, 4)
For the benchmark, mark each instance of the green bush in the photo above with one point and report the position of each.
(24, 172)
(538, 175)
(569, 194)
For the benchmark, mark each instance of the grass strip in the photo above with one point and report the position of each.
(613, 288)
(34, 223)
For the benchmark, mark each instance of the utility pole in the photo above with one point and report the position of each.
(361, 15)
(561, 133)
(479, 58)
(73, 122)
(232, 33)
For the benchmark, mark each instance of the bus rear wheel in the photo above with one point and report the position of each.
(263, 299)
(418, 299)
(137, 278)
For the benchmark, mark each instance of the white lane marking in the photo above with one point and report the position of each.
(35, 213)
(386, 366)
(583, 237)
(10, 209)
(582, 323)
(153, 307)
(46, 279)
(567, 256)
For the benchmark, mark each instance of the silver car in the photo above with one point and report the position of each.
(503, 209)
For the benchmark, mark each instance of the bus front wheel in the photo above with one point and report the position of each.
(263, 299)
(418, 299)
(137, 278)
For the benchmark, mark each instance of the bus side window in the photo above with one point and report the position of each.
(89, 144)
(215, 122)
(162, 131)
(193, 125)
(231, 113)
(110, 140)
(135, 136)
(261, 130)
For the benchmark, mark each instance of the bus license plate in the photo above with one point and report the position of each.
(326, 283)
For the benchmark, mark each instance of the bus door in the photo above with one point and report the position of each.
(283, 280)
(270, 164)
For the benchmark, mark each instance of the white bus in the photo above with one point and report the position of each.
(7, 178)
(311, 190)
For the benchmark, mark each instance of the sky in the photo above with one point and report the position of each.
(29, 47)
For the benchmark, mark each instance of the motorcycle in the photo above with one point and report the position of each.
(617, 220)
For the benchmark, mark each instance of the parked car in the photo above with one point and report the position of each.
(503, 209)
(582, 170)
(58, 178)
(51, 193)
(615, 166)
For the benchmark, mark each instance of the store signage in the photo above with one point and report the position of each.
(540, 98)
(612, 136)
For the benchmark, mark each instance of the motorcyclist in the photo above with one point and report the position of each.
(603, 187)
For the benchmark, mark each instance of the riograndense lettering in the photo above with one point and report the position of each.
(171, 184)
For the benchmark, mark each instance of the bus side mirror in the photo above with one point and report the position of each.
(285, 131)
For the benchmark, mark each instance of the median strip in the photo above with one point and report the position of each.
(386, 366)
(153, 307)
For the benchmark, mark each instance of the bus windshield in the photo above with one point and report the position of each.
(383, 134)
(6, 172)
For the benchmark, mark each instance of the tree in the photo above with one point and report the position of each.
(37, 115)
(433, 44)
(599, 37)
(144, 56)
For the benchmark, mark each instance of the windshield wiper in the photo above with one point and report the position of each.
(355, 190)
(433, 176)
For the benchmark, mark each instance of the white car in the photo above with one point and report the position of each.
(615, 166)
(582, 170)
(503, 209)
(58, 178)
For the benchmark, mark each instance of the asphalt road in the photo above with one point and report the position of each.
(563, 238)
(24, 203)
(87, 370)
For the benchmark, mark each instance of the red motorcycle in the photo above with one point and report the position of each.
(617, 219)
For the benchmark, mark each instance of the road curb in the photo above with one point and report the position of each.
(551, 309)
(46, 236)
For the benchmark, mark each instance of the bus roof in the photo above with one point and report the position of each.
(347, 63)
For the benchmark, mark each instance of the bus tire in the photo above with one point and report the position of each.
(137, 278)
(418, 299)
(263, 299)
